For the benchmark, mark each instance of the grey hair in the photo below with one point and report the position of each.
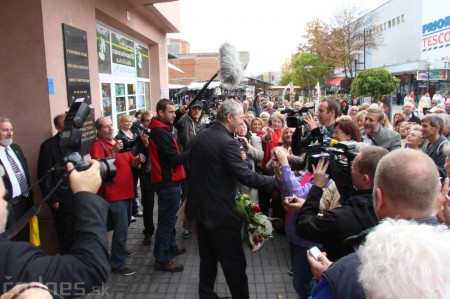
(228, 106)
(434, 120)
(4, 120)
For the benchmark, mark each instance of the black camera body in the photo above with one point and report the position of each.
(339, 169)
(296, 118)
(128, 144)
(138, 126)
(71, 142)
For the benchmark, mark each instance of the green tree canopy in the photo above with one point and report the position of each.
(298, 74)
(375, 83)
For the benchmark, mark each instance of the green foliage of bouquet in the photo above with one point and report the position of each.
(258, 225)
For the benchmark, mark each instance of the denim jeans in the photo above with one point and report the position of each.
(302, 270)
(120, 211)
(168, 205)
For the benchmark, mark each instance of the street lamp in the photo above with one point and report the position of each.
(308, 69)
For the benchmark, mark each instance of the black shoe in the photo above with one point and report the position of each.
(130, 253)
(147, 240)
(125, 271)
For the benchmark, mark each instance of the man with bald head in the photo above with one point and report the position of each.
(398, 193)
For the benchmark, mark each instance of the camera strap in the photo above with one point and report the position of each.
(34, 210)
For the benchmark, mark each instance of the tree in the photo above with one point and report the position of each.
(349, 32)
(298, 74)
(375, 83)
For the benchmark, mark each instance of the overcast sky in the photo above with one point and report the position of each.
(270, 30)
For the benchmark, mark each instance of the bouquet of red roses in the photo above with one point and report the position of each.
(258, 225)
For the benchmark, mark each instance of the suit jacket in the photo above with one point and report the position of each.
(216, 168)
(18, 209)
(49, 155)
(85, 266)
(385, 138)
(414, 119)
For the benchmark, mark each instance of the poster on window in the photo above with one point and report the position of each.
(123, 55)
(142, 66)
(103, 50)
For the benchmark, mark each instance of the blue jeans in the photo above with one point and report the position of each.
(120, 211)
(168, 205)
(302, 270)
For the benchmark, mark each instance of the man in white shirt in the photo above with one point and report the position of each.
(16, 179)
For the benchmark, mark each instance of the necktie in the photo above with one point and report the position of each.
(19, 175)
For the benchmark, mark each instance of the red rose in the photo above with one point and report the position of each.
(256, 209)
(257, 239)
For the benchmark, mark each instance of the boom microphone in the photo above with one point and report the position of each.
(230, 70)
(231, 73)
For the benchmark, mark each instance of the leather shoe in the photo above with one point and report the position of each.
(170, 267)
(147, 240)
(178, 251)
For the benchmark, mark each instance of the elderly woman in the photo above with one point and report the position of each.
(252, 147)
(265, 116)
(353, 111)
(415, 139)
(297, 187)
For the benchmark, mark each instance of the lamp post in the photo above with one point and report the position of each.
(308, 69)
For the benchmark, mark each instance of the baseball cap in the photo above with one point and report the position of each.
(197, 104)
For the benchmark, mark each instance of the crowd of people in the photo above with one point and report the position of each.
(176, 154)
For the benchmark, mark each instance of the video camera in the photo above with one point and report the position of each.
(296, 118)
(341, 156)
(71, 142)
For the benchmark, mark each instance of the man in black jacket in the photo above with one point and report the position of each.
(16, 178)
(87, 263)
(216, 167)
(399, 193)
(61, 201)
(356, 213)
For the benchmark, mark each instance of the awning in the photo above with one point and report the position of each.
(334, 81)
(171, 66)
(199, 85)
(176, 86)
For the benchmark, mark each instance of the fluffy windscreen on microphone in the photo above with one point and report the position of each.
(230, 71)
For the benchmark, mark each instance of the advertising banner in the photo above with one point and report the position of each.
(123, 55)
(435, 42)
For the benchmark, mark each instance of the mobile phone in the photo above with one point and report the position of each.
(290, 198)
(314, 252)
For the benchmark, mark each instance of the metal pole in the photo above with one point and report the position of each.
(428, 77)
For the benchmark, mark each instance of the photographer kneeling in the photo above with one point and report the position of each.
(87, 263)
(356, 213)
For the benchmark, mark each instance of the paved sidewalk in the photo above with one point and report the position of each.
(267, 271)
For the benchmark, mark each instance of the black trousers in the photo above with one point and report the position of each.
(224, 245)
(148, 204)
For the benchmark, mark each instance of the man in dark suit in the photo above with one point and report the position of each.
(16, 179)
(408, 111)
(216, 167)
(375, 134)
(80, 271)
(61, 202)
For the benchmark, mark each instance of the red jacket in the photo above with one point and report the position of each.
(166, 159)
(123, 181)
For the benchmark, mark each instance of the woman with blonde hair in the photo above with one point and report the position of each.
(415, 139)
(426, 102)
(360, 117)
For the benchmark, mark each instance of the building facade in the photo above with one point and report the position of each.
(123, 65)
